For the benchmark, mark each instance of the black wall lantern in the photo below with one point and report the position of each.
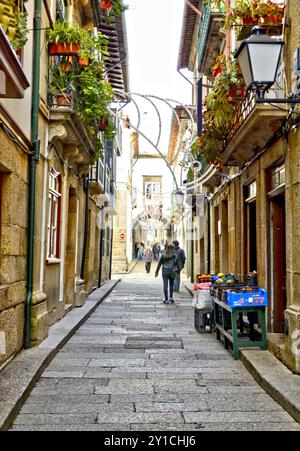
(259, 58)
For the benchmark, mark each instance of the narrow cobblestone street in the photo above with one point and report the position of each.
(139, 365)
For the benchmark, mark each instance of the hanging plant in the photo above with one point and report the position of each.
(254, 12)
(16, 25)
(219, 111)
(112, 9)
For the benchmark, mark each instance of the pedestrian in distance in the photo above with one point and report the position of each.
(136, 250)
(168, 262)
(148, 260)
(181, 259)
(155, 251)
(141, 252)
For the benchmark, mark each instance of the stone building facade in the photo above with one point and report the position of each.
(251, 213)
(15, 127)
(72, 255)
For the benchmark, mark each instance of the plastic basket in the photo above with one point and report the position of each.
(255, 298)
(204, 321)
(202, 286)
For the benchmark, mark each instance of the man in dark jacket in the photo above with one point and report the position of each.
(181, 259)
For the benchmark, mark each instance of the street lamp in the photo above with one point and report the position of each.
(179, 197)
(259, 59)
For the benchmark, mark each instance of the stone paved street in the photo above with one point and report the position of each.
(139, 365)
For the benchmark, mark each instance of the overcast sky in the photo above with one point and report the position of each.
(154, 31)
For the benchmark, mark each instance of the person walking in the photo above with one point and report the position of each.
(181, 259)
(148, 260)
(155, 251)
(168, 262)
(141, 252)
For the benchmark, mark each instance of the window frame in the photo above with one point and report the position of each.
(54, 213)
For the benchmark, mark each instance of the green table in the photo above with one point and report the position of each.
(230, 324)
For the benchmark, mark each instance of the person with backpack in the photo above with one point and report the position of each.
(168, 262)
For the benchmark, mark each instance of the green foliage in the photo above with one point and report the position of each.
(116, 9)
(255, 9)
(93, 93)
(65, 33)
(22, 33)
(219, 113)
(21, 36)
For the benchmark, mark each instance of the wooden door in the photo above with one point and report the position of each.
(279, 261)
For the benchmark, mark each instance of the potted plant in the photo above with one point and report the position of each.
(112, 9)
(62, 85)
(95, 93)
(106, 4)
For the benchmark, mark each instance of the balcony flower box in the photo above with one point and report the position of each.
(237, 93)
(63, 49)
(251, 21)
(103, 124)
(63, 100)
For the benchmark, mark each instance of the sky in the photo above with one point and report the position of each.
(154, 31)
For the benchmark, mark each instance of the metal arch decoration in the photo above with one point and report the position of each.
(168, 102)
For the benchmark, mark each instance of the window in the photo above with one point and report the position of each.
(278, 177)
(54, 214)
(251, 191)
(61, 10)
(152, 189)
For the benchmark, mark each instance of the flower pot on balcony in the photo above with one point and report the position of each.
(83, 60)
(106, 4)
(236, 93)
(66, 66)
(247, 20)
(63, 100)
(63, 49)
(273, 19)
(251, 21)
(103, 124)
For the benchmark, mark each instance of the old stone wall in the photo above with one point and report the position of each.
(13, 244)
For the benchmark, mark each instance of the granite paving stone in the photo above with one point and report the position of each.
(139, 365)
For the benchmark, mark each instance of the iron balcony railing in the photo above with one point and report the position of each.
(248, 104)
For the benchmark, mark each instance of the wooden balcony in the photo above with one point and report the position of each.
(13, 81)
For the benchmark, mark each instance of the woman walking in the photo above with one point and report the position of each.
(148, 260)
(168, 262)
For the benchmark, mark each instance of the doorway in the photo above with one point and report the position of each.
(250, 232)
(278, 257)
(71, 249)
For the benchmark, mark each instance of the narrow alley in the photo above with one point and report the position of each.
(139, 365)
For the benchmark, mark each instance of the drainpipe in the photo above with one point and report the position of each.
(86, 226)
(208, 237)
(111, 251)
(102, 233)
(228, 33)
(33, 159)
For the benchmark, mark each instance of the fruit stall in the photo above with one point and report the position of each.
(235, 310)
